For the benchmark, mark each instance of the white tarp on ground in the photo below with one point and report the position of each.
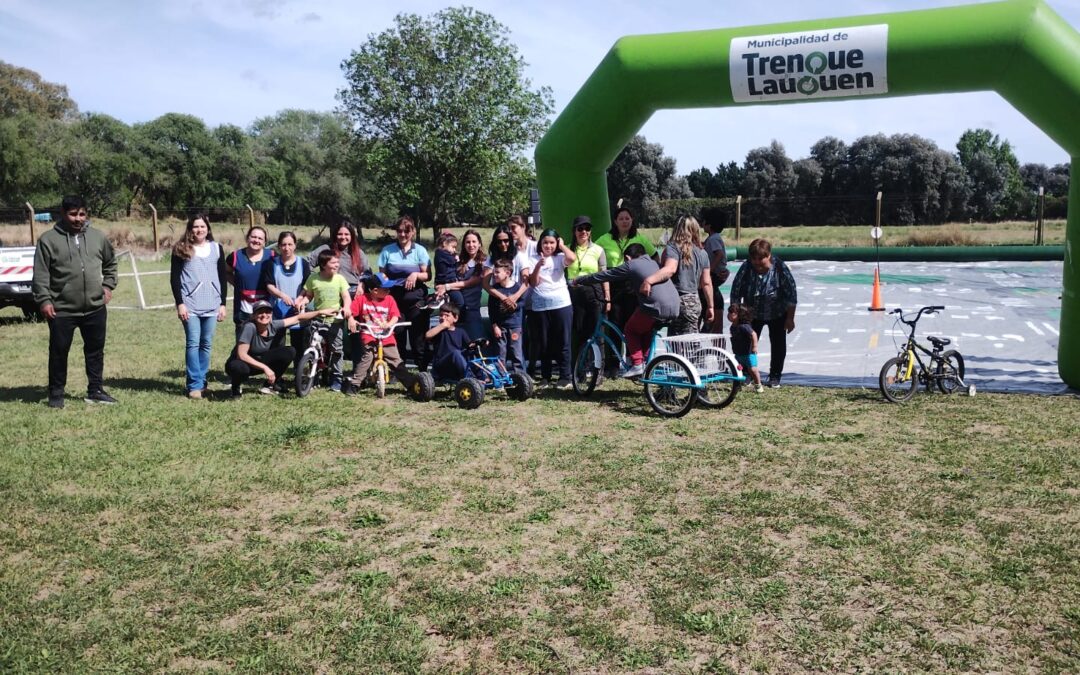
(1002, 316)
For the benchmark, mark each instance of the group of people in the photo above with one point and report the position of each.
(545, 297)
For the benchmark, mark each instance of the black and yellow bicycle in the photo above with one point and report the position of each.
(903, 373)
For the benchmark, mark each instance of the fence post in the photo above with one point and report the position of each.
(251, 216)
(153, 224)
(1039, 220)
(877, 210)
(31, 210)
(738, 216)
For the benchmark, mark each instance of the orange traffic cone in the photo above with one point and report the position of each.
(875, 300)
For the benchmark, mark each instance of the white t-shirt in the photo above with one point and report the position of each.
(525, 261)
(551, 292)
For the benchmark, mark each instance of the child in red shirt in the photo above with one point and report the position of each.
(375, 307)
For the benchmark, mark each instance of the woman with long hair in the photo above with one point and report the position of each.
(687, 265)
(197, 277)
(345, 245)
(408, 265)
(470, 273)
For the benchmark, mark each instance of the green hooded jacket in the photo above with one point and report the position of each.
(72, 271)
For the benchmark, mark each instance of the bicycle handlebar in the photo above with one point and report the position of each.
(929, 309)
(379, 334)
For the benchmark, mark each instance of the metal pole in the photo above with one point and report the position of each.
(877, 223)
(31, 209)
(153, 225)
(251, 216)
(738, 216)
(1039, 220)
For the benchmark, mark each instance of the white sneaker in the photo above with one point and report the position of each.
(759, 389)
(633, 371)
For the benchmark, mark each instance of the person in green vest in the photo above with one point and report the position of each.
(588, 301)
(615, 242)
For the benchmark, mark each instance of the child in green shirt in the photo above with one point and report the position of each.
(329, 290)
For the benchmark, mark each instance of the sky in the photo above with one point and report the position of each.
(233, 61)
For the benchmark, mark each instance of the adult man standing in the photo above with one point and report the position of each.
(765, 284)
(74, 276)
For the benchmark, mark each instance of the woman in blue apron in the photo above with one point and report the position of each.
(197, 277)
(244, 271)
(284, 276)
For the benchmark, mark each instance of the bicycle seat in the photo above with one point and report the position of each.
(938, 342)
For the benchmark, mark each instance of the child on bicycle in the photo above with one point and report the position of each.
(375, 306)
(506, 324)
(656, 302)
(744, 342)
(450, 342)
(446, 266)
(329, 290)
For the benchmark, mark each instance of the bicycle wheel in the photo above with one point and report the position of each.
(894, 382)
(720, 393)
(306, 371)
(950, 372)
(663, 375)
(586, 373)
(380, 381)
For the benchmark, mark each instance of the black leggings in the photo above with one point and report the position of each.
(409, 303)
(777, 343)
(554, 341)
(278, 358)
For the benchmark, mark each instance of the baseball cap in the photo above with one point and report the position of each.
(582, 220)
(260, 306)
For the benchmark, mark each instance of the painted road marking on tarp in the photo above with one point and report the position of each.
(1051, 328)
(1010, 336)
(1035, 328)
(960, 316)
(819, 330)
(856, 330)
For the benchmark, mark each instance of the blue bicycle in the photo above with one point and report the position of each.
(679, 370)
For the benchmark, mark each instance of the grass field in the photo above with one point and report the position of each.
(800, 529)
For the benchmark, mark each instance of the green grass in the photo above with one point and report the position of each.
(801, 529)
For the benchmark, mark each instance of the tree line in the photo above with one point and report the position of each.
(837, 183)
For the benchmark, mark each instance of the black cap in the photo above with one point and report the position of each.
(260, 306)
(582, 220)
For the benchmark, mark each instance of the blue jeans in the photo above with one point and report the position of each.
(199, 337)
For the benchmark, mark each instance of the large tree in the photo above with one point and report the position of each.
(315, 179)
(441, 107)
(997, 187)
(642, 176)
(24, 90)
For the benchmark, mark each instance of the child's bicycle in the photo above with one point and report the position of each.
(488, 372)
(422, 386)
(679, 370)
(313, 363)
(899, 376)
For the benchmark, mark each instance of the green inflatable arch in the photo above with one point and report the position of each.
(1019, 48)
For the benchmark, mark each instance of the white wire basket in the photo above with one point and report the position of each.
(704, 351)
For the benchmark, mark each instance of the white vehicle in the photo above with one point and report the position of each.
(16, 276)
